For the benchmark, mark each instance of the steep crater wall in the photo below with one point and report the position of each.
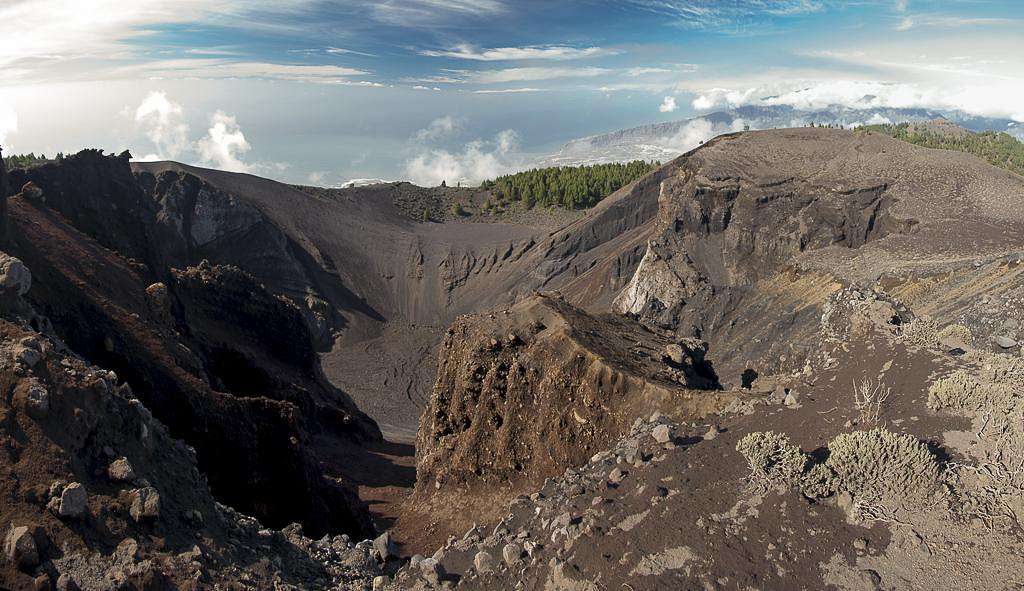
(723, 239)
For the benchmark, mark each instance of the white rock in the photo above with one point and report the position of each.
(511, 553)
(662, 434)
(1005, 342)
(484, 562)
(121, 470)
(20, 547)
(15, 278)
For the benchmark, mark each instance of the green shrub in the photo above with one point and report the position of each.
(879, 466)
(774, 461)
(818, 482)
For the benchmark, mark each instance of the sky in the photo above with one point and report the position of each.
(324, 91)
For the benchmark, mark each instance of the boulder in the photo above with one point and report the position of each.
(511, 553)
(484, 562)
(1005, 342)
(66, 583)
(20, 547)
(145, 504)
(37, 401)
(432, 571)
(662, 434)
(72, 501)
(120, 470)
(15, 278)
(384, 547)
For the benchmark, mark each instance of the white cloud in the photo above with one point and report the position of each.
(57, 38)
(161, 121)
(668, 105)
(531, 52)
(509, 91)
(224, 144)
(635, 72)
(703, 103)
(698, 131)
(431, 13)
(995, 98)
(516, 75)
(344, 51)
(875, 119)
(712, 14)
(8, 122)
(217, 68)
(438, 129)
(952, 22)
(478, 161)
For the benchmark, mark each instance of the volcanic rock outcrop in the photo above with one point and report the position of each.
(99, 496)
(522, 393)
(227, 366)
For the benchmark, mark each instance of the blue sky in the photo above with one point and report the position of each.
(321, 91)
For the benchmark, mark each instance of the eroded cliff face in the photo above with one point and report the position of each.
(229, 366)
(523, 393)
(99, 495)
(721, 234)
(174, 220)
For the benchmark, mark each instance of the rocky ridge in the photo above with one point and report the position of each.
(102, 497)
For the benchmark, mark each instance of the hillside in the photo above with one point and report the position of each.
(999, 149)
(664, 141)
(787, 359)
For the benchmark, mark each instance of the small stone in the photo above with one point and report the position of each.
(195, 517)
(20, 547)
(484, 562)
(37, 401)
(66, 583)
(145, 504)
(791, 399)
(29, 357)
(511, 553)
(871, 579)
(379, 582)
(616, 475)
(15, 278)
(1005, 342)
(41, 583)
(662, 434)
(56, 487)
(432, 570)
(674, 353)
(384, 547)
(415, 561)
(860, 544)
(127, 551)
(712, 433)
(72, 501)
(121, 470)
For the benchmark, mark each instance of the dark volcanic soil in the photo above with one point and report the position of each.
(702, 383)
